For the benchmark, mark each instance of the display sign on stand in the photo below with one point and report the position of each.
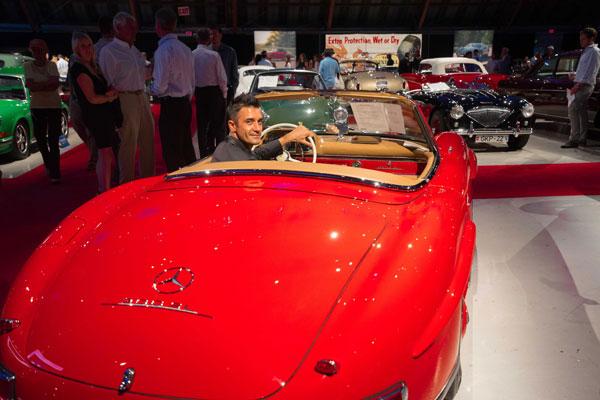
(477, 44)
(374, 46)
(279, 45)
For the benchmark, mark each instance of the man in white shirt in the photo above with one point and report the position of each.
(173, 85)
(63, 68)
(107, 33)
(211, 94)
(265, 59)
(125, 70)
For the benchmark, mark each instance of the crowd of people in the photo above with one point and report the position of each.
(110, 97)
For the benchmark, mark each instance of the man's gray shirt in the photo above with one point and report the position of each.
(589, 64)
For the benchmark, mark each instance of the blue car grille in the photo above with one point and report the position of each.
(489, 117)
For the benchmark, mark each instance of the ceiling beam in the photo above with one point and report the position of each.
(514, 14)
(330, 14)
(27, 10)
(423, 14)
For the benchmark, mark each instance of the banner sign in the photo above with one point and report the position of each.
(473, 44)
(374, 46)
(279, 45)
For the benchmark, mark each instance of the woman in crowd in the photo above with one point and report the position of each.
(99, 110)
(301, 61)
(315, 62)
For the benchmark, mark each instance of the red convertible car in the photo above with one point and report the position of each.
(340, 273)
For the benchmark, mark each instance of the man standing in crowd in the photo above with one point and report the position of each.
(41, 78)
(173, 85)
(125, 70)
(404, 65)
(549, 53)
(107, 34)
(416, 61)
(505, 63)
(63, 68)
(229, 59)
(211, 94)
(329, 69)
(585, 80)
(265, 59)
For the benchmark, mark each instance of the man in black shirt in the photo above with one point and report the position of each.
(244, 120)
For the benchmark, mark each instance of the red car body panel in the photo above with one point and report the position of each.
(288, 271)
(416, 81)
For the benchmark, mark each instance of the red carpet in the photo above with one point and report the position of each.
(32, 207)
(529, 180)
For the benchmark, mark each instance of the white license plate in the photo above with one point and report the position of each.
(491, 139)
(381, 83)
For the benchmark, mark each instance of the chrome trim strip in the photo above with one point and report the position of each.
(10, 378)
(181, 308)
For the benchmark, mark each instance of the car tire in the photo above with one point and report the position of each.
(21, 142)
(64, 123)
(451, 393)
(517, 143)
(438, 122)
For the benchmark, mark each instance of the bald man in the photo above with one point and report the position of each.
(42, 80)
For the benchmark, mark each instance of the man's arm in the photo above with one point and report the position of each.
(221, 75)
(107, 66)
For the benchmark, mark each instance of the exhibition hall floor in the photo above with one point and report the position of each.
(534, 298)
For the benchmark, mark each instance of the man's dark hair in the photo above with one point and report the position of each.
(105, 24)
(166, 18)
(243, 100)
(590, 32)
(203, 35)
(328, 52)
(216, 28)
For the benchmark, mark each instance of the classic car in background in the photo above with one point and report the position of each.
(13, 60)
(361, 74)
(546, 84)
(246, 75)
(122, 300)
(478, 115)
(282, 79)
(16, 126)
(459, 70)
(482, 48)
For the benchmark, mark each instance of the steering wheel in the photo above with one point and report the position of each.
(292, 126)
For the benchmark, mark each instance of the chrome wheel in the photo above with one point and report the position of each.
(21, 141)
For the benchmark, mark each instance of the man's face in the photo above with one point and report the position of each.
(248, 126)
(584, 41)
(215, 37)
(39, 50)
(128, 31)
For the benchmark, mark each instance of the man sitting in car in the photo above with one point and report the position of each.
(245, 123)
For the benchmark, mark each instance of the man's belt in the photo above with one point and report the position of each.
(131, 91)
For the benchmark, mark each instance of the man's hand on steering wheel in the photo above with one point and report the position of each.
(299, 135)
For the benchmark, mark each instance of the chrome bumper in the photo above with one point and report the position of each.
(8, 381)
(488, 132)
(453, 376)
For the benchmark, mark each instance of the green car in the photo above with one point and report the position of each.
(16, 126)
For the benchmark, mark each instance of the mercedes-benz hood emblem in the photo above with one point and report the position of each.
(173, 280)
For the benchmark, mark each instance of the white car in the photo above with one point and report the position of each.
(450, 65)
(247, 74)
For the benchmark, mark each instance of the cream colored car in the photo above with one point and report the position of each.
(360, 74)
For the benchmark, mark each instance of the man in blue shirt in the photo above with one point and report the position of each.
(329, 69)
(585, 81)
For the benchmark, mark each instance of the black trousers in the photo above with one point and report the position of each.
(210, 116)
(175, 133)
(46, 129)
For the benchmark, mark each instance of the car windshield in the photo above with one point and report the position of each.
(287, 81)
(547, 68)
(326, 114)
(11, 88)
(357, 66)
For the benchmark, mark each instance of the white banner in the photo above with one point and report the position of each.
(374, 46)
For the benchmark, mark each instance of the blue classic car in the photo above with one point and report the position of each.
(478, 114)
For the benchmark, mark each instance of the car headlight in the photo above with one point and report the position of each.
(456, 112)
(527, 110)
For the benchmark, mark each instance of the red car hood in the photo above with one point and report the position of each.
(268, 266)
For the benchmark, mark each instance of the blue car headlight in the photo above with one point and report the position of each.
(457, 111)
(527, 110)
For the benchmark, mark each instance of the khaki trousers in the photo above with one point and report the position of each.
(137, 132)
